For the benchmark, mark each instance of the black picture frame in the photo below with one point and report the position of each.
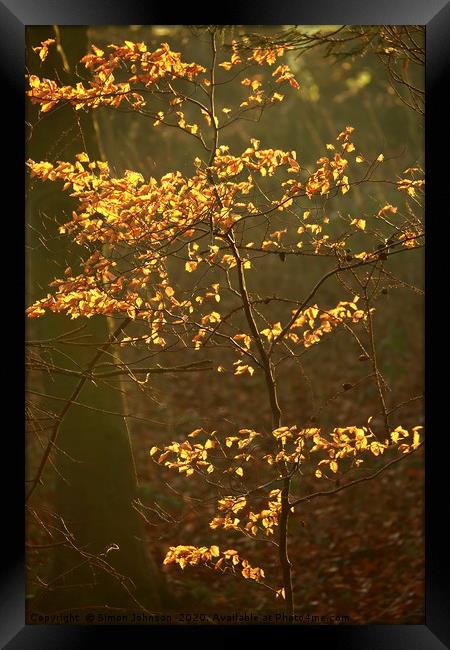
(15, 15)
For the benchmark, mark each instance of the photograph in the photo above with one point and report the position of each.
(225, 316)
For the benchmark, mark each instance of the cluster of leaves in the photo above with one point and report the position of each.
(308, 450)
(349, 442)
(293, 446)
(150, 218)
(327, 321)
(148, 221)
(400, 48)
(224, 561)
(146, 68)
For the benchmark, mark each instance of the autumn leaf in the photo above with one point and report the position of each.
(42, 49)
(359, 223)
(242, 369)
(195, 433)
(344, 185)
(294, 166)
(191, 266)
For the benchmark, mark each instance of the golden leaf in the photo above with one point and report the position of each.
(34, 81)
(191, 266)
(359, 223)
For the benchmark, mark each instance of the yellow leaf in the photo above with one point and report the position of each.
(375, 448)
(191, 266)
(207, 116)
(344, 185)
(34, 81)
(318, 473)
(215, 552)
(359, 223)
(195, 433)
(239, 471)
(153, 451)
(294, 166)
(240, 370)
(380, 158)
(334, 466)
(47, 106)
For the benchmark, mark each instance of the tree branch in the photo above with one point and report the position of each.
(324, 493)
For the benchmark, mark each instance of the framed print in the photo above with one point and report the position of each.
(226, 332)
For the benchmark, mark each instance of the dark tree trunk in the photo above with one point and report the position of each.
(96, 486)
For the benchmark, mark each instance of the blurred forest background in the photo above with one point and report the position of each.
(359, 553)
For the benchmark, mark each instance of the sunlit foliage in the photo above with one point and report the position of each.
(132, 230)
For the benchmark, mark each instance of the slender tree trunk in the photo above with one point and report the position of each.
(283, 524)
